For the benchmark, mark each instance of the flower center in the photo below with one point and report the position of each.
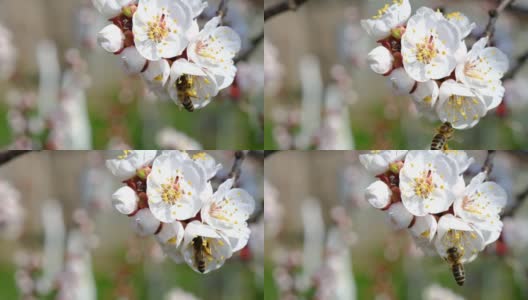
(125, 154)
(157, 29)
(460, 104)
(385, 8)
(202, 49)
(426, 51)
(424, 186)
(171, 191)
(456, 15)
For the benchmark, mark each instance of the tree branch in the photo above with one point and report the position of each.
(487, 167)
(8, 155)
(493, 16)
(517, 67)
(252, 47)
(284, 6)
(222, 9)
(237, 164)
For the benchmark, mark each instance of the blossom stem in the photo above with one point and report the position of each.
(244, 55)
(284, 6)
(488, 163)
(8, 155)
(222, 9)
(518, 66)
(237, 164)
(493, 16)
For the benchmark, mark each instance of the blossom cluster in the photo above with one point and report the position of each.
(171, 197)
(425, 192)
(161, 40)
(425, 55)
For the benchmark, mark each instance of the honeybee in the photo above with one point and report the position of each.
(443, 135)
(202, 251)
(454, 255)
(184, 86)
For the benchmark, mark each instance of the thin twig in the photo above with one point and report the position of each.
(244, 55)
(237, 164)
(518, 203)
(487, 167)
(284, 6)
(518, 66)
(8, 155)
(222, 9)
(493, 16)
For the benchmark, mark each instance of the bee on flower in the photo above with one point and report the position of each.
(161, 40)
(170, 195)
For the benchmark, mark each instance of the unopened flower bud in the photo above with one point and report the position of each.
(400, 217)
(125, 200)
(397, 32)
(145, 223)
(129, 10)
(111, 38)
(378, 194)
(143, 172)
(401, 81)
(396, 166)
(133, 62)
(380, 60)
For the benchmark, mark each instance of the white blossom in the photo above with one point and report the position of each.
(426, 182)
(482, 70)
(174, 186)
(401, 81)
(377, 162)
(425, 96)
(160, 28)
(454, 232)
(387, 18)
(481, 205)
(111, 8)
(197, 7)
(423, 232)
(133, 62)
(215, 247)
(462, 23)
(459, 105)
(399, 215)
(126, 164)
(228, 208)
(208, 164)
(171, 234)
(202, 85)
(144, 222)
(461, 158)
(428, 46)
(156, 75)
(213, 49)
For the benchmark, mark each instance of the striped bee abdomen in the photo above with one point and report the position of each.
(458, 273)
